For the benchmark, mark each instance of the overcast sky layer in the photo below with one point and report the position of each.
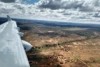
(82, 10)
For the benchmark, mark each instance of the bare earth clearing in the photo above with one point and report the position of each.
(62, 46)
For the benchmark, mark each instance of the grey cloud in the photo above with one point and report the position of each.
(7, 1)
(60, 9)
(96, 15)
(82, 5)
(51, 4)
(10, 1)
(6, 11)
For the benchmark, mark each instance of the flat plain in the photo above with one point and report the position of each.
(55, 46)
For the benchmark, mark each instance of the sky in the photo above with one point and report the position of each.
(31, 1)
(68, 10)
(26, 1)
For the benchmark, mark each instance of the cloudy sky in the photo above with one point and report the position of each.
(81, 10)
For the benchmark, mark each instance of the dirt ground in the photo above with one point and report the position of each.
(63, 46)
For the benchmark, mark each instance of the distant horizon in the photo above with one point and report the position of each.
(24, 17)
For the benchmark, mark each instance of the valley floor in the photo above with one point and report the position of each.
(63, 46)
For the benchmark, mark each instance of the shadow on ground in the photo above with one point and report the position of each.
(38, 60)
